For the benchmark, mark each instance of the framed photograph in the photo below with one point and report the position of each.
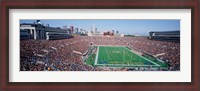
(94, 45)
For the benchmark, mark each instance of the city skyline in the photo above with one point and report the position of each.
(132, 27)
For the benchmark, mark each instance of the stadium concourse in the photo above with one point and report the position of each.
(66, 54)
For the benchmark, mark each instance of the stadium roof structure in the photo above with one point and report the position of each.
(42, 26)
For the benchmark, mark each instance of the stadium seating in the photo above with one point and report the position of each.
(40, 55)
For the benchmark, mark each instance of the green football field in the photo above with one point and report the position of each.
(120, 56)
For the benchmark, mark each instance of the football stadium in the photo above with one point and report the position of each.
(44, 48)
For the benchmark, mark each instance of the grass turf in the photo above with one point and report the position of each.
(121, 56)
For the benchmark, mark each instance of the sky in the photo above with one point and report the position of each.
(132, 27)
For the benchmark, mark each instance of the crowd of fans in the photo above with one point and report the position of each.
(61, 55)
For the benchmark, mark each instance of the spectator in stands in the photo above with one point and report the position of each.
(49, 55)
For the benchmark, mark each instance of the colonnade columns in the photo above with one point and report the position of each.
(35, 34)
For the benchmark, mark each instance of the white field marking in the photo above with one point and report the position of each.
(95, 63)
(144, 58)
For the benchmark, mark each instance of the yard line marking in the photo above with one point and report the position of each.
(95, 63)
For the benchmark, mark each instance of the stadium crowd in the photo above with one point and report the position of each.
(66, 54)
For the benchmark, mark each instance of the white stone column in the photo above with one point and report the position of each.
(47, 35)
(35, 34)
(31, 31)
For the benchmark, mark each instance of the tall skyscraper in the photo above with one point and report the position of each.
(76, 30)
(117, 32)
(96, 30)
(90, 30)
(69, 30)
(113, 31)
(72, 29)
(65, 27)
(93, 28)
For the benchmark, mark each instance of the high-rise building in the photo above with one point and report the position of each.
(96, 30)
(117, 32)
(71, 29)
(65, 27)
(93, 29)
(84, 32)
(47, 25)
(113, 31)
(76, 30)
